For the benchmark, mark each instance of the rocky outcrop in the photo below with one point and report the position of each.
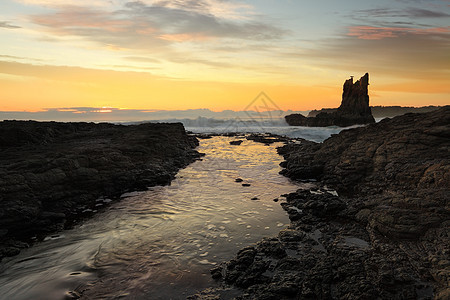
(354, 108)
(384, 111)
(383, 235)
(51, 174)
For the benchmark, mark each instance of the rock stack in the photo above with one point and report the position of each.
(354, 108)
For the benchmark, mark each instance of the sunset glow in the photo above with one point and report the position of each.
(167, 55)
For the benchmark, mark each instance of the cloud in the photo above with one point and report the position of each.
(401, 13)
(218, 8)
(53, 3)
(404, 53)
(8, 25)
(142, 59)
(183, 32)
(377, 33)
(139, 25)
(425, 13)
(13, 58)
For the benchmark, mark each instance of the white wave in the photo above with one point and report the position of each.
(257, 125)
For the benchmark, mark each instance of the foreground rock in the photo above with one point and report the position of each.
(387, 234)
(51, 173)
(354, 108)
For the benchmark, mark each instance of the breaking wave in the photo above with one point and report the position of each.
(256, 125)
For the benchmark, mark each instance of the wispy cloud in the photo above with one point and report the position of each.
(8, 25)
(378, 33)
(53, 3)
(425, 13)
(153, 32)
(141, 25)
(218, 8)
(14, 58)
(142, 59)
(401, 13)
(403, 53)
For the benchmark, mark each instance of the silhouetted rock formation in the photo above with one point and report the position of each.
(52, 173)
(383, 111)
(354, 108)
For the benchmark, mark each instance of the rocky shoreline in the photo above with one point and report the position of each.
(54, 174)
(385, 234)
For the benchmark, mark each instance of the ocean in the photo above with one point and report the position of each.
(255, 125)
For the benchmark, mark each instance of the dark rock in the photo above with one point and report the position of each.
(246, 184)
(216, 273)
(237, 142)
(267, 138)
(51, 172)
(238, 180)
(386, 236)
(255, 198)
(72, 295)
(354, 108)
(383, 111)
(204, 136)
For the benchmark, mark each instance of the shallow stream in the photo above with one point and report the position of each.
(161, 243)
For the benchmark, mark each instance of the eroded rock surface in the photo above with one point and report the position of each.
(387, 234)
(50, 173)
(354, 108)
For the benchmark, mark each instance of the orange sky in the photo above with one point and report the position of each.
(219, 55)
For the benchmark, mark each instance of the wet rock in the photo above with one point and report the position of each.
(72, 295)
(291, 235)
(386, 236)
(216, 273)
(50, 170)
(53, 215)
(266, 139)
(204, 136)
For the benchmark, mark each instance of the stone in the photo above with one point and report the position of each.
(384, 111)
(50, 172)
(354, 108)
(386, 234)
(72, 295)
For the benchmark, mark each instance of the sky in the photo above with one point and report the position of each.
(220, 54)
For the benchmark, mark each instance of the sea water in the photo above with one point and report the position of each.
(273, 125)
